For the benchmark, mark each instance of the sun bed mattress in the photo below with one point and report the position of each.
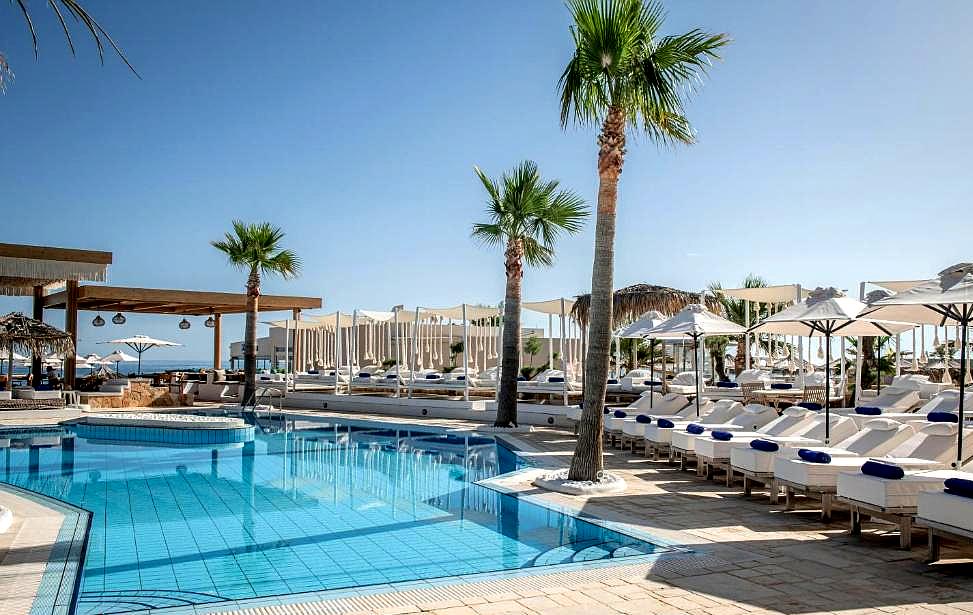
(886, 493)
(762, 462)
(946, 508)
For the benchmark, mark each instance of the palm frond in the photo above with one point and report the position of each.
(257, 247)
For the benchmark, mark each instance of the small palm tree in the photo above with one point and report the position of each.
(622, 75)
(532, 346)
(256, 249)
(736, 311)
(63, 8)
(527, 215)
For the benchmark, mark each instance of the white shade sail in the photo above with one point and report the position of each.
(827, 311)
(550, 306)
(694, 320)
(783, 293)
(643, 325)
(896, 286)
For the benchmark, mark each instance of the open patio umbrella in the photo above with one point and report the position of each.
(638, 329)
(694, 321)
(141, 343)
(117, 357)
(947, 299)
(827, 312)
(29, 336)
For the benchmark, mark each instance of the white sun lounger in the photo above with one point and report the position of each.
(753, 417)
(633, 431)
(790, 420)
(684, 383)
(946, 515)
(758, 465)
(657, 439)
(614, 423)
(892, 399)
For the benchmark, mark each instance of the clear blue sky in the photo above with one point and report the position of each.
(833, 147)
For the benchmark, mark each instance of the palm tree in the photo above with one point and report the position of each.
(256, 249)
(622, 75)
(527, 215)
(63, 8)
(532, 346)
(736, 311)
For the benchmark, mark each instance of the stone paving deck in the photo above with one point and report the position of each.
(749, 556)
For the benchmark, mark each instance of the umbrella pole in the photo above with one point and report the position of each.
(878, 365)
(827, 388)
(651, 372)
(10, 368)
(696, 365)
(964, 323)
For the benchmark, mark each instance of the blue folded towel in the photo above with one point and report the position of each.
(813, 456)
(724, 384)
(693, 428)
(764, 445)
(606, 411)
(868, 410)
(556, 379)
(652, 383)
(391, 376)
(723, 436)
(665, 423)
(620, 414)
(962, 487)
(613, 381)
(942, 417)
(883, 470)
(810, 405)
(643, 419)
(781, 386)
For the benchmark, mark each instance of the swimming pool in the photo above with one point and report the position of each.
(319, 506)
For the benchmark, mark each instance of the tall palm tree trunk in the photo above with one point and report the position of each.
(587, 461)
(510, 360)
(250, 338)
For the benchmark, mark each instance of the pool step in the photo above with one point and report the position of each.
(585, 551)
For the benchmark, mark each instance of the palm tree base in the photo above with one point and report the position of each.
(558, 482)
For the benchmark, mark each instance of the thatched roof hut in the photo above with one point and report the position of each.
(633, 301)
(28, 336)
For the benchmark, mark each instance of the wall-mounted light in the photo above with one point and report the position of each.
(98, 321)
(118, 319)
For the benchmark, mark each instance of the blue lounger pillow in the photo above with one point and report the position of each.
(694, 428)
(882, 470)
(312, 371)
(942, 417)
(813, 456)
(764, 445)
(781, 386)
(810, 405)
(620, 414)
(652, 383)
(391, 376)
(723, 384)
(962, 487)
(665, 424)
(521, 379)
(433, 376)
(556, 379)
(613, 381)
(723, 436)
(606, 411)
(643, 419)
(364, 375)
(868, 410)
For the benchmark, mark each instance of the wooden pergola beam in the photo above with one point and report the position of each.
(179, 302)
(13, 250)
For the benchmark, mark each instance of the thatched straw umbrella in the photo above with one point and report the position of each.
(633, 301)
(26, 335)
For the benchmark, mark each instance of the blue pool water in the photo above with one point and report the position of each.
(321, 506)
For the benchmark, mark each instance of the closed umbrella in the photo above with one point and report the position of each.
(947, 299)
(827, 312)
(141, 343)
(694, 321)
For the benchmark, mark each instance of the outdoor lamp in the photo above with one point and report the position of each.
(210, 322)
(184, 324)
(98, 321)
(118, 319)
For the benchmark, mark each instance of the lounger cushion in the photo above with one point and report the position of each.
(556, 379)
(692, 428)
(652, 383)
(868, 410)
(942, 417)
(810, 405)
(364, 375)
(722, 436)
(962, 487)
(644, 419)
(620, 414)
(764, 445)
(941, 429)
(946, 509)
(727, 385)
(882, 470)
(812, 456)
(781, 386)
(666, 424)
(612, 381)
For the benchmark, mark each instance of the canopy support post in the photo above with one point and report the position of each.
(564, 365)
(800, 345)
(416, 348)
(746, 335)
(697, 366)
(466, 356)
(964, 321)
(217, 341)
(35, 361)
(71, 326)
(398, 360)
(859, 356)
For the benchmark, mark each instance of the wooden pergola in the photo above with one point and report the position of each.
(27, 270)
(76, 298)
